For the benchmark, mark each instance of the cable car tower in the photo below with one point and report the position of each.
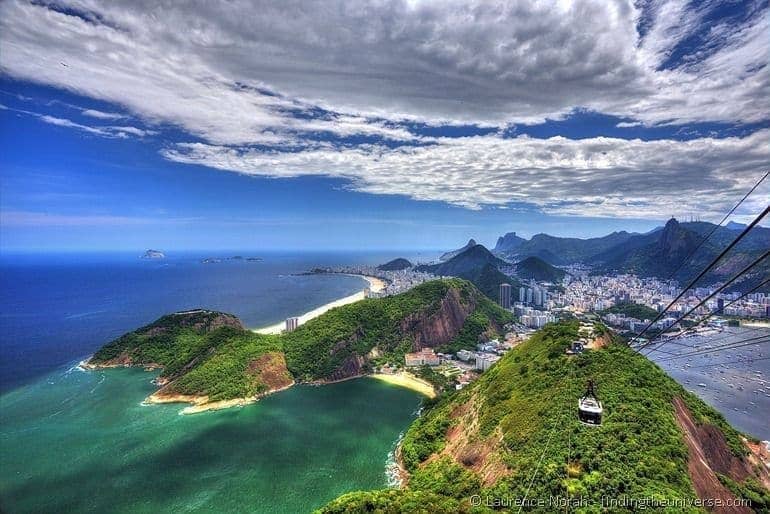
(590, 409)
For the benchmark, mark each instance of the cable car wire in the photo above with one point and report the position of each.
(711, 314)
(711, 233)
(705, 270)
(724, 286)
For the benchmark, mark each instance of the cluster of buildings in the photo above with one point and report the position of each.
(396, 282)
(465, 364)
(533, 294)
(585, 293)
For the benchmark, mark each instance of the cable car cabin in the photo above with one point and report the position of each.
(590, 408)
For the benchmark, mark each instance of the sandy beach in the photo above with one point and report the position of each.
(202, 403)
(375, 285)
(407, 380)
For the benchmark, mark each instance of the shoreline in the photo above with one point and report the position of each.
(201, 404)
(198, 404)
(407, 380)
(375, 285)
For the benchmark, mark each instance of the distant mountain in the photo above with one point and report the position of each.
(510, 242)
(735, 226)
(661, 253)
(535, 268)
(453, 253)
(560, 250)
(395, 265)
(478, 265)
(657, 253)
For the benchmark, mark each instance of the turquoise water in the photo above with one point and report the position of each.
(80, 441)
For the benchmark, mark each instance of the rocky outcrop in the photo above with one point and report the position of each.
(270, 369)
(352, 366)
(204, 321)
(710, 456)
(441, 326)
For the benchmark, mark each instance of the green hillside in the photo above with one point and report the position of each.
(323, 346)
(515, 432)
(479, 266)
(206, 353)
(632, 310)
(535, 268)
(395, 265)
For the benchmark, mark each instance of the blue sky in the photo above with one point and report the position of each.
(390, 126)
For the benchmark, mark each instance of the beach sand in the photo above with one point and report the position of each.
(407, 380)
(375, 285)
(202, 403)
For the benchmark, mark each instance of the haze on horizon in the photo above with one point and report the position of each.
(355, 125)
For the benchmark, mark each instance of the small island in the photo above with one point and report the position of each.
(153, 254)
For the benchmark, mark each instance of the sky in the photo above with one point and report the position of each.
(346, 124)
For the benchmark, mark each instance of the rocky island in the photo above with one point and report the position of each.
(153, 254)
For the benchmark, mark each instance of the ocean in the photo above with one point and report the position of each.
(58, 308)
(734, 381)
(76, 441)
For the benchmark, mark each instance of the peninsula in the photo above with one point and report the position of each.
(208, 359)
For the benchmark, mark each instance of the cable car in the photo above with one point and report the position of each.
(589, 407)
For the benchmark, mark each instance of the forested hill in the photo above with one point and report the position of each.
(478, 265)
(659, 253)
(208, 356)
(514, 433)
(535, 268)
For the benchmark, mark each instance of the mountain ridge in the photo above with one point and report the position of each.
(209, 359)
(657, 253)
(478, 265)
(514, 433)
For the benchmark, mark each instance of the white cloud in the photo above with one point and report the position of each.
(589, 177)
(103, 131)
(101, 115)
(476, 62)
(250, 76)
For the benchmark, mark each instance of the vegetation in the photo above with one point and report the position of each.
(535, 268)
(632, 310)
(524, 410)
(225, 374)
(395, 265)
(394, 501)
(210, 353)
(479, 266)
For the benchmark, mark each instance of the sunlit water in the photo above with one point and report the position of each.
(736, 381)
(83, 442)
(75, 441)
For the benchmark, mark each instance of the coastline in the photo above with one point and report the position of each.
(407, 380)
(375, 285)
(201, 403)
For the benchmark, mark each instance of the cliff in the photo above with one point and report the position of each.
(207, 357)
(514, 433)
(345, 342)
